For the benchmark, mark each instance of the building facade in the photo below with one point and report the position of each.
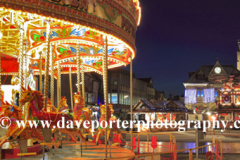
(201, 89)
(119, 90)
(150, 89)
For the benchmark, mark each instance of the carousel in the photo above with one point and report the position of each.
(43, 39)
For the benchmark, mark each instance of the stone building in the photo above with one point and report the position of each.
(150, 89)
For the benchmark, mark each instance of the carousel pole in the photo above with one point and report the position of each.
(0, 80)
(131, 103)
(25, 63)
(52, 77)
(40, 74)
(70, 82)
(83, 86)
(21, 65)
(78, 70)
(105, 87)
(59, 81)
(46, 83)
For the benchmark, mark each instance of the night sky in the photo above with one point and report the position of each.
(178, 36)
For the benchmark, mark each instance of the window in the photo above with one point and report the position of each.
(114, 98)
(115, 82)
(216, 93)
(199, 92)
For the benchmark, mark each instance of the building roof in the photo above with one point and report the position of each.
(174, 104)
(149, 105)
(159, 105)
(206, 70)
(148, 80)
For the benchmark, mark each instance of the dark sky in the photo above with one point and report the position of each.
(178, 36)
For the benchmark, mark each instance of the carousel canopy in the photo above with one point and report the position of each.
(70, 26)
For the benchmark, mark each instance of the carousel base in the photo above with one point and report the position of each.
(71, 150)
(12, 153)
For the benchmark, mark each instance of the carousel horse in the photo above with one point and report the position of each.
(101, 131)
(82, 114)
(62, 106)
(36, 112)
(14, 113)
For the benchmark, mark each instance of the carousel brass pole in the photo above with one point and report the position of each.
(0, 80)
(46, 83)
(52, 77)
(25, 70)
(59, 81)
(105, 87)
(83, 86)
(21, 65)
(25, 63)
(40, 74)
(78, 70)
(70, 82)
(131, 103)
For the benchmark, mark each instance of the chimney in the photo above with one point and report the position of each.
(176, 98)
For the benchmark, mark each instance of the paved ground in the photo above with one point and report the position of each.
(73, 151)
(231, 146)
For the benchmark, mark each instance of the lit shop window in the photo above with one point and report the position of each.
(113, 99)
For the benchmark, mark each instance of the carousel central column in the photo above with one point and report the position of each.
(47, 67)
(78, 69)
(52, 77)
(105, 87)
(21, 65)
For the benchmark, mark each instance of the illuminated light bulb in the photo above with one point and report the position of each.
(1, 35)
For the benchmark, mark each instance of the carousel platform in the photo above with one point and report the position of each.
(90, 151)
